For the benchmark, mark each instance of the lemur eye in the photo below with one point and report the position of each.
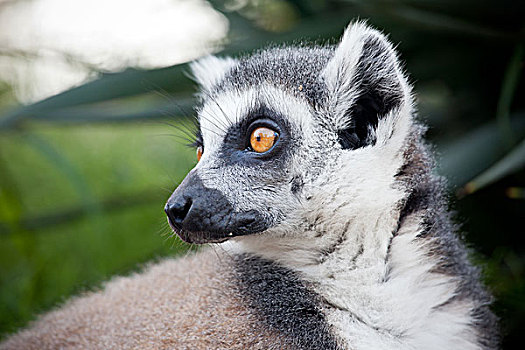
(263, 139)
(199, 153)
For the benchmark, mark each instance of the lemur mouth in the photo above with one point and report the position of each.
(198, 237)
(246, 226)
(201, 237)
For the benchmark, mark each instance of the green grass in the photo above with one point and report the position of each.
(78, 205)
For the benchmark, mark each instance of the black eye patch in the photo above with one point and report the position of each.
(236, 146)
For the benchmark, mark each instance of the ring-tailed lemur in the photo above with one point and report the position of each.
(336, 232)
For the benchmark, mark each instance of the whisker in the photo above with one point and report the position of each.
(182, 127)
(214, 100)
(209, 118)
(228, 119)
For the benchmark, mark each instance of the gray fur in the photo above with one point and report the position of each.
(294, 69)
(429, 193)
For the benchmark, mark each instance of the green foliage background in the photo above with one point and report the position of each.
(84, 174)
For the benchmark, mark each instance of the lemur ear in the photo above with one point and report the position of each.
(365, 85)
(209, 70)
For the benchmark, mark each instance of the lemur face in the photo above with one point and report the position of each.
(286, 128)
(251, 174)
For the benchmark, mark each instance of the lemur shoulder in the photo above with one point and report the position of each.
(331, 229)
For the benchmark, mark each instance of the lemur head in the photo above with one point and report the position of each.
(293, 140)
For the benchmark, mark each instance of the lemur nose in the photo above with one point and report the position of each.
(178, 210)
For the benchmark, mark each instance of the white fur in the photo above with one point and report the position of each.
(340, 70)
(209, 70)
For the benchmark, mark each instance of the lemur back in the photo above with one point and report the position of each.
(330, 229)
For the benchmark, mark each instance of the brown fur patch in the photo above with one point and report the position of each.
(187, 303)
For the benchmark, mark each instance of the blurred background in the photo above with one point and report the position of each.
(96, 107)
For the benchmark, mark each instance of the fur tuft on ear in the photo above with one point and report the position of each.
(365, 83)
(209, 70)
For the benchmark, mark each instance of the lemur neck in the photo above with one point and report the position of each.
(346, 250)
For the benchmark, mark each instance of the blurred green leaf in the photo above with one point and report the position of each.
(466, 157)
(93, 113)
(432, 20)
(107, 206)
(513, 161)
(110, 86)
(67, 168)
(510, 83)
(10, 199)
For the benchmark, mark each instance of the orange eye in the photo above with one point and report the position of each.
(199, 153)
(262, 139)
